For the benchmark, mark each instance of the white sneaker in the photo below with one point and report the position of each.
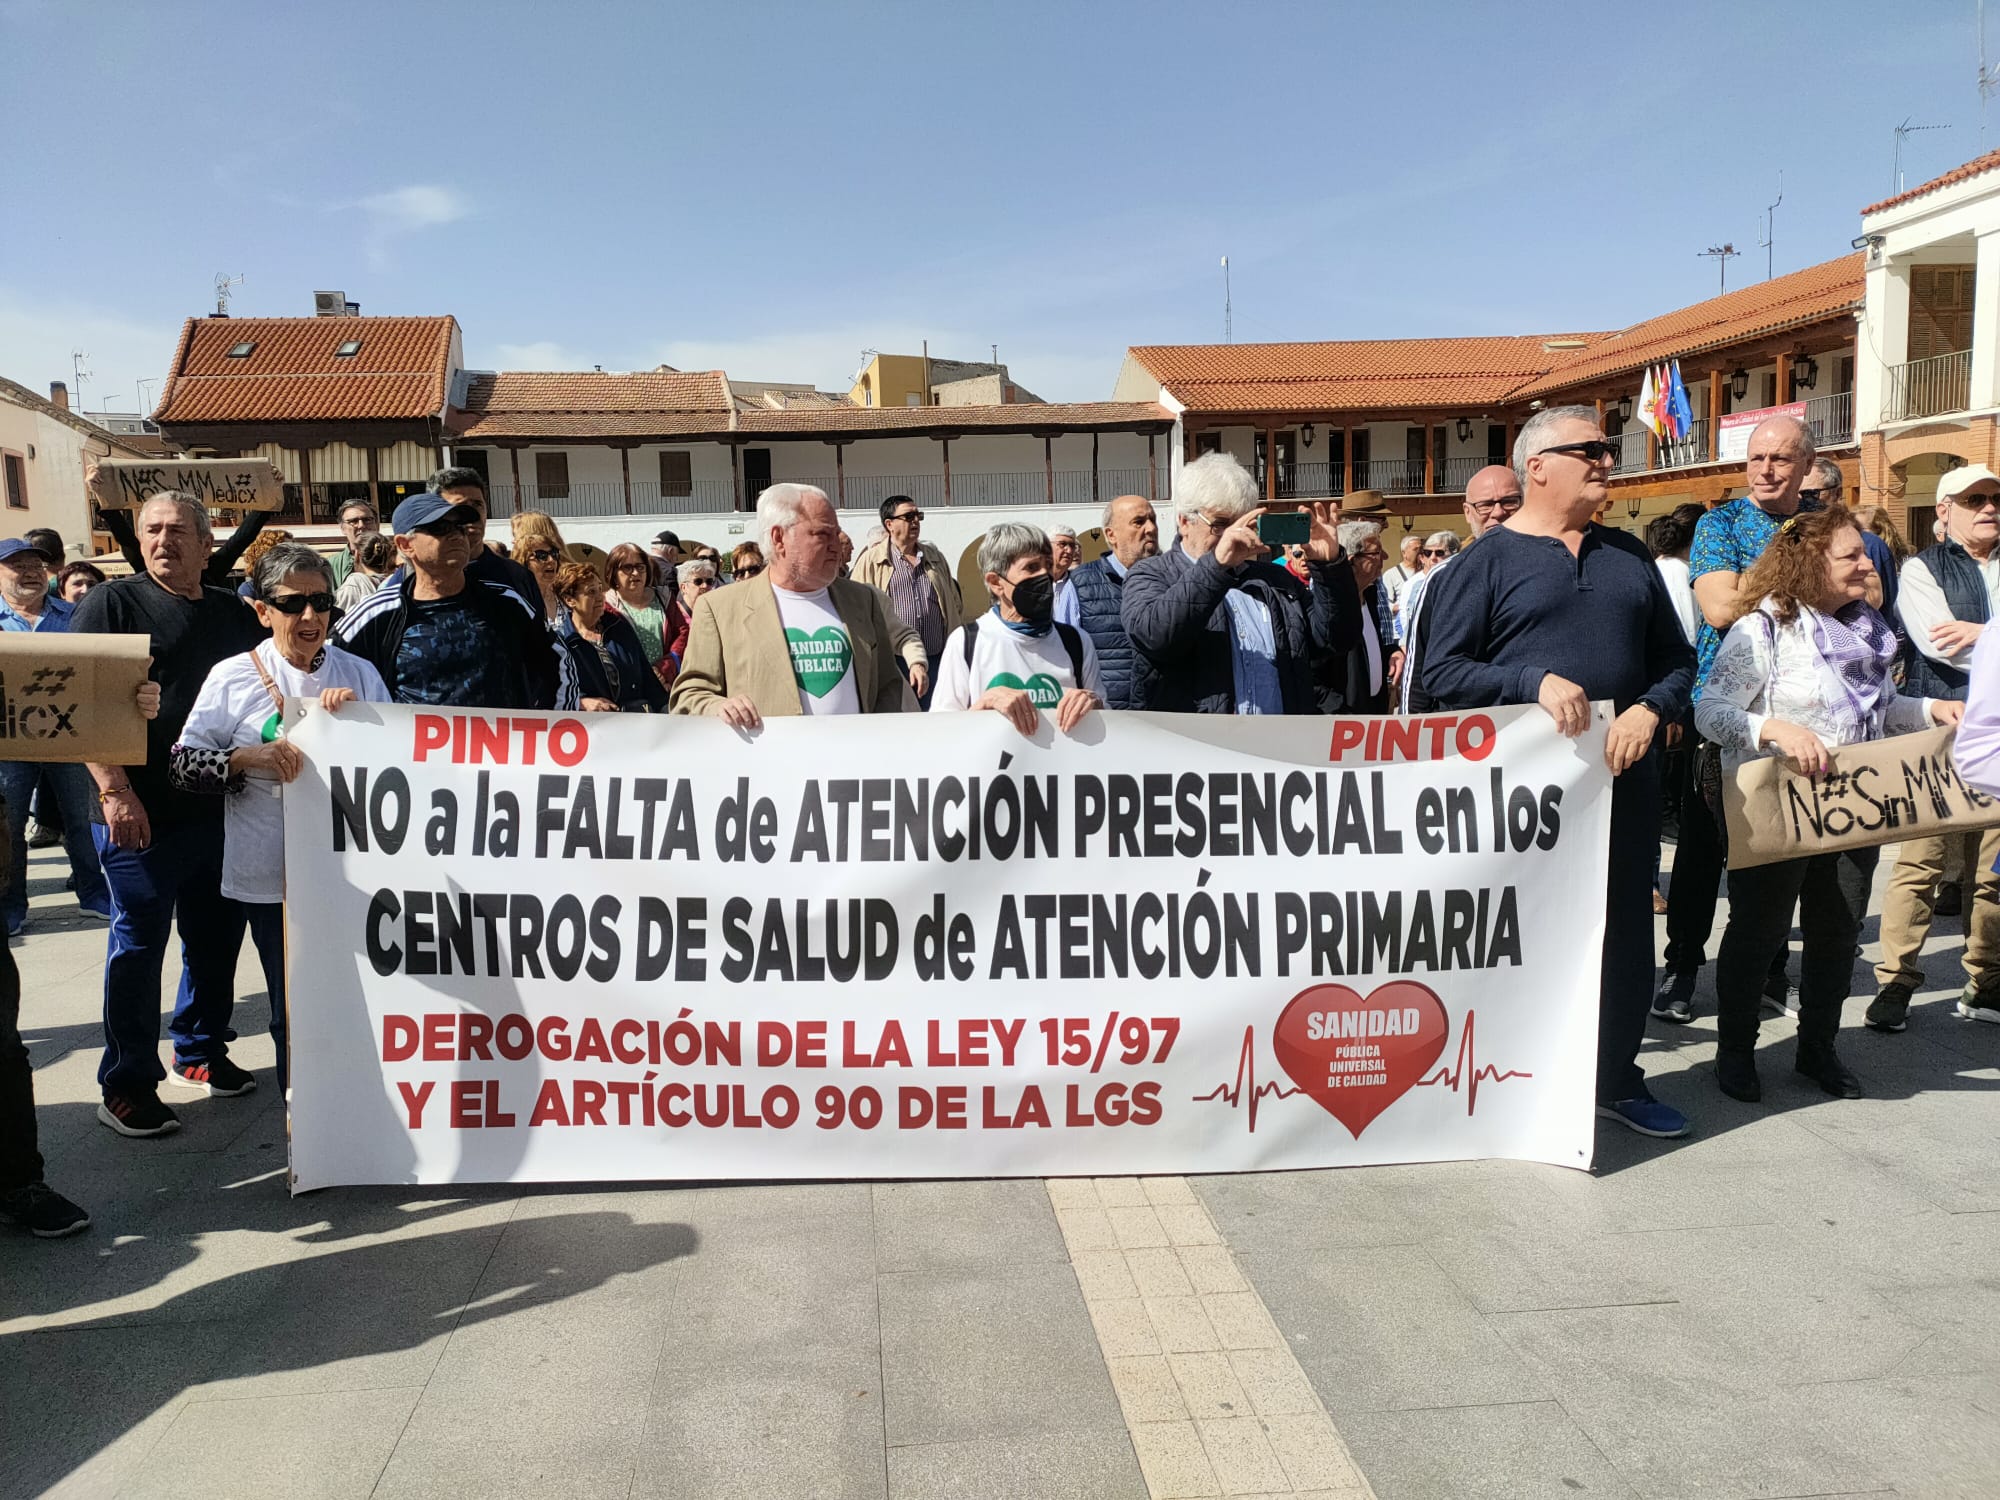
(1973, 1007)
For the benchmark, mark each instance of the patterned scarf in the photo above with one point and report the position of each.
(1857, 648)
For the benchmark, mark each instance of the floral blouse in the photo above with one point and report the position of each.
(1766, 670)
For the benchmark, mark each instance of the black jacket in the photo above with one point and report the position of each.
(543, 676)
(1100, 600)
(1179, 626)
(639, 690)
(1340, 679)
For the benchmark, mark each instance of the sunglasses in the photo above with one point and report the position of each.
(1975, 502)
(908, 515)
(633, 568)
(543, 554)
(1593, 452)
(298, 604)
(749, 570)
(1436, 552)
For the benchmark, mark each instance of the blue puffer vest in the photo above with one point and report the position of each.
(1100, 593)
(1964, 590)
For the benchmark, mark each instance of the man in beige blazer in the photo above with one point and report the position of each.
(797, 640)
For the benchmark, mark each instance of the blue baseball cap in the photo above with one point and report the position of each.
(13, 547)
(427, 509)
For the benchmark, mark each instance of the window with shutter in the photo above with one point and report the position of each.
(1940, 310)
(552, 476)
(17, 482)
(676, 475)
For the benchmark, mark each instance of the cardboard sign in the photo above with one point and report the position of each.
(1880, 792)
(71, 697)
(233, 483)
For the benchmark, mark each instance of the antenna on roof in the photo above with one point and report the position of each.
(1989, 78)
(1723, 255)
(1906, 128)
(79, 369)
(1228, 320)
(223, 282)
(1771, 226)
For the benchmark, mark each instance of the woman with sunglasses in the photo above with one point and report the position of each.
(539, 547)
(1805, 668)
(648, 607)
(747, 561)
(612, 674)
(233, 745)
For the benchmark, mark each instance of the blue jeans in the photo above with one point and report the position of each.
(267, 932)
(75, 795)
(177, 878)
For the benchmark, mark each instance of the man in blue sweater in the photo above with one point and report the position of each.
(1552, 608)
(1132, 532)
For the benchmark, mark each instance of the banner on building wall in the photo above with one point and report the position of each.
(1878, 792)
(1732, 437)
(538, 948)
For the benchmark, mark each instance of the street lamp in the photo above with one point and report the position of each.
(1805, 374)
(1739, 383)
(1464, 430)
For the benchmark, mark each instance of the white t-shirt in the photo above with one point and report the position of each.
(1007, 658)
(234, 709)
(822, 653)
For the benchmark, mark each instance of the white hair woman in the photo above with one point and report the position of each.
(692, 578)
(1019, 659)
(233, 746)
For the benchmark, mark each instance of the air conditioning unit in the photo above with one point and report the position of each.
(333, 305)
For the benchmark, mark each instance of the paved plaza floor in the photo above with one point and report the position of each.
(1801, 1300)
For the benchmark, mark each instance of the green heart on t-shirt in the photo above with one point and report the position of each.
(1043, 690)
(819, 657)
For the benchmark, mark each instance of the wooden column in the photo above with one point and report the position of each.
(625, 473)
(1152, 469)
(1784, 391)
(1095, 497)
(736, 477)
(515, 455)
(1714, 413)
(947, 469)
(1652, 450)
(1049, 466)
(375, 479)
(1270, 463)
(1347, 460)
(840, 476)
(1599, 403)
(1430, 462)
(305, 485)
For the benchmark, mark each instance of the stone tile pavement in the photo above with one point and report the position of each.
(1802, 1300)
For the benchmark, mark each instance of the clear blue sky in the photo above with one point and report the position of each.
(772, 187)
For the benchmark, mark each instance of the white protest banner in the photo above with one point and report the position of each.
(1878, 792)
(537, 948)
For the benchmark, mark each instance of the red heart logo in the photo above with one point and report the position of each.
(1357, 1057)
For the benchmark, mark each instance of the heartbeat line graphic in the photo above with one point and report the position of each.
(1452, 1077)
(1246, 1077)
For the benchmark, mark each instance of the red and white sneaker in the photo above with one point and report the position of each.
(220, 1079)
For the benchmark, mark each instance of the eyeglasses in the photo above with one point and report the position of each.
(543, 554)
(1595, 451)
(633, 568)
(908, 515)
(298, 604)
(748, 570)
(1974, 502)
(1500, 502)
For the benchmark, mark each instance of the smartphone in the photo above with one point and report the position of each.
(1284, 528)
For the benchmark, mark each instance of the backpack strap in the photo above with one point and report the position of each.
(968, 630)
(1072, 640)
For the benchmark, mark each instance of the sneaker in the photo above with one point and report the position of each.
(1890, 1010)
(1950, 900)
(1648, 1116)
(1781, 995)
(137, 1115)
(1675, 999)
(1659, 903)
(1975, 1007)
(40, 836)
(220, 1079)
(42, 1211)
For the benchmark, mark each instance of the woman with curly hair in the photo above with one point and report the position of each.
(1804, 670)
(539, 547)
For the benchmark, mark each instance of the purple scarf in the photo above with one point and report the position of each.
(1858, 648)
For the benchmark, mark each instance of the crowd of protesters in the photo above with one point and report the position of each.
(1779, 623)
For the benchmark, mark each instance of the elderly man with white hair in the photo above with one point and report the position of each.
(798, 639)
(1217, 629)
(1065, 557)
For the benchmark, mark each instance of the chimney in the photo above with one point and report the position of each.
(59, 394)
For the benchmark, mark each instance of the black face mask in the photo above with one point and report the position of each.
(1035, 599)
